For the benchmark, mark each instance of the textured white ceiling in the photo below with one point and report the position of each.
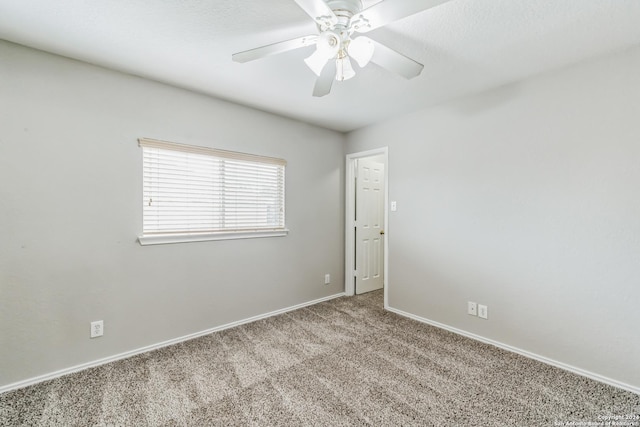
(466, 45)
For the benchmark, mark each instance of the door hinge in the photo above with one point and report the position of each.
(355, 273)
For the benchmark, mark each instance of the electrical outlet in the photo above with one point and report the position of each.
(472, 308)
(483, 311)
(97, 329)
(327, 279)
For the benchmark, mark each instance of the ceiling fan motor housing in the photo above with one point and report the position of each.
(344, 10)
(352, 6)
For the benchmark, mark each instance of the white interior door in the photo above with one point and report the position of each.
(369, 225)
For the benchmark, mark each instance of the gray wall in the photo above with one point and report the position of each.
(525, 199)
(70, 211)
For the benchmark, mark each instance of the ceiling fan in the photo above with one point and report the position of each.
(336, 44)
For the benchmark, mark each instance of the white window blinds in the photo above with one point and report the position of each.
(189, 189)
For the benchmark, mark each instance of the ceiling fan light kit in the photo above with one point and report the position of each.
(344, 69)
(327, 46)
(336, 44)
(361, 49)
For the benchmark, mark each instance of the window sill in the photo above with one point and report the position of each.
(164, 239)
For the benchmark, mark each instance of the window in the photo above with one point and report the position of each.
(195, 193)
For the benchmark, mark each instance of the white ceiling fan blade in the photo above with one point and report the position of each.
(388, 11)
(272, 49)
(319, 11)
(394, 61)
(324, 82)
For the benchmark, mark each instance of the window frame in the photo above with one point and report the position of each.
(179, 236)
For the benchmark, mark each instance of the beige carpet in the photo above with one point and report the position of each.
(343, 362)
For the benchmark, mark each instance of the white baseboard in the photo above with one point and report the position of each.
(521, 352)
(66, 371)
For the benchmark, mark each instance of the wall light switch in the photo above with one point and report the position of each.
(394, 206)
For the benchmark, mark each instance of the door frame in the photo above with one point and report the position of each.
(350, 207)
